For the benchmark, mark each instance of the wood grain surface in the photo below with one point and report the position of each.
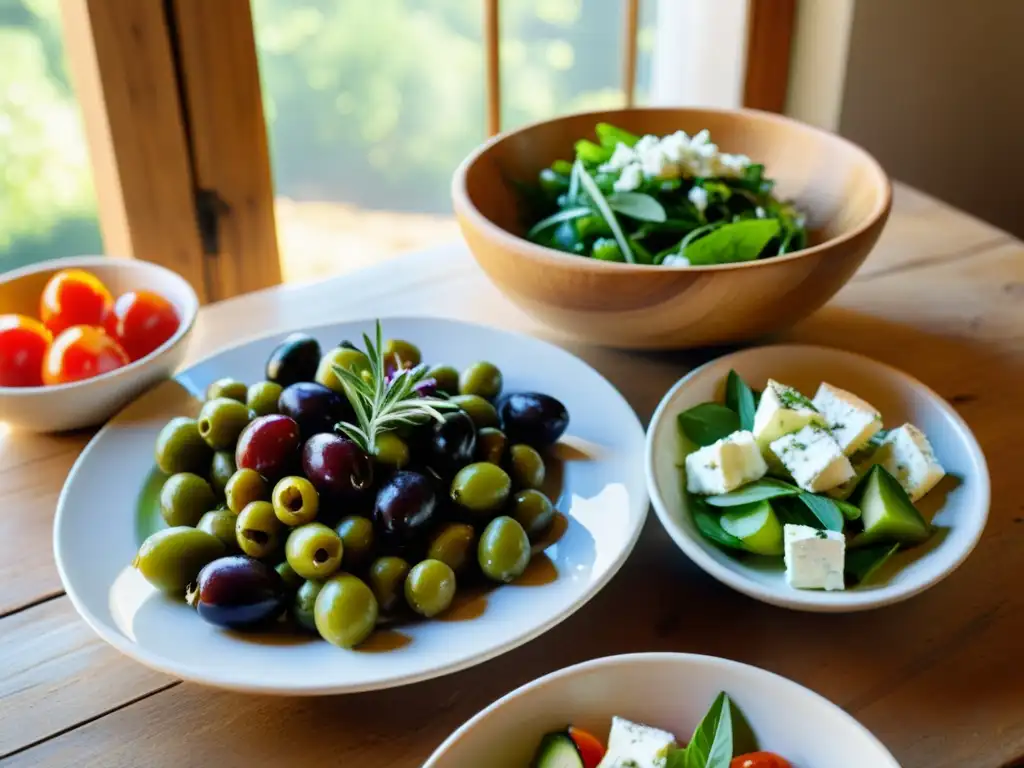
(937, 678)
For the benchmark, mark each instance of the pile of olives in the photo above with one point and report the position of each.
(273, 514)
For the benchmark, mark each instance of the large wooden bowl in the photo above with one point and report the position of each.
(844, 191)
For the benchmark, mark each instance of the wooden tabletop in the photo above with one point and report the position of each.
(939, 678)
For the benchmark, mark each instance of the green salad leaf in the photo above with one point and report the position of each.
(611, 136)
(708, 423)
(792, 511)
(850, 511)
(566, 214)
(594, 192)
(740, 398)
(863, 563)
(738, 241)
(710, 528)
(711, 744)
(637, 205)
(825, 509)
(759, 490)
(591, 153)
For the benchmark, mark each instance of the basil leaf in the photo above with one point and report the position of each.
(711, 744)
(850, 511)
(708, 423)
(611, 136)
(861, 564)
(557, 218)
(675, 758)
(766, 488)
(710, 528)
(826, 510)
(638, 206)
(740, 398)
(739, 241)
(592, 153)
(592, 190)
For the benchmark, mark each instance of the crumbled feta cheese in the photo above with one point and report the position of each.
(630, 178)
(782, 410)
(725, 465)
(760, 212)
(813, 458)
(851, 420)
(911, 460)
(814, 559)
(632, 745)
(671, 157)
(675, 260)
(699, 197)
(621, 157)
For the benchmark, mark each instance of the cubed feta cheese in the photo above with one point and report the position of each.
(782, 410)
(632, 745)
(911, 460)
(814, 559)
(813, 458)
(724, 466)
(851, 420)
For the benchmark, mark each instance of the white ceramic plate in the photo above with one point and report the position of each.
(958, 506)
(98, 527)
(669, 691)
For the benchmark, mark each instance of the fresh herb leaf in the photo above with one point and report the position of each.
(595, 194)
(591, 153)
(825, 509)
(711, 744)
(791, 511)
(711, 528)
(850, 511)
(739, 241)
(760, 490)
(566, 214)
(740, 398)
(611, 136)
(638, 206)
(863, 563)
(708, 423)
(562, 167)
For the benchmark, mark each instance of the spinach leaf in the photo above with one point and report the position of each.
(765, 488)
(638, 206)
(738, 241)
(711, 529)
(707, 423)
(557, 218)
(595, 194)
(610, 136)
(643, 256)
(791, 511)
(592, 153)
(740, 398)
(850, 511)
(826, 510)
(861, 564)
(711, 745)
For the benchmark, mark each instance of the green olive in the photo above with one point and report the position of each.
(221, 421)
(480, 411)
(490, 445)
(345, 611)
(446, 378)
(220, 523)
(314, 551)
(454, 544)
(357, 539)
(295, 501)
(304, 605)
(171, 558)
(391, 450)
(222, 467)
(245, 486)
(532, 510)
(257, 529)
(184, 499)
(262, 397)
(401, 354)
(180, 447)
(387, 578)
(482, 379)
(291, 579)
(504, 550)
(230, 388)
(481, 487)
(343, 357)
(526, 466)
(430, 587)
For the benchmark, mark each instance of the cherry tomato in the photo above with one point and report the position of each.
(23, 344)
(73, 297)
(141, 321)
(759, 760)
(81, 352)
(591, 750)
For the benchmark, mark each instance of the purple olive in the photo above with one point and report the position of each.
(336, 467)
(532, 418)
(314, 407)
(405, 507)
(269, 445)
(238, 593)
(449, 445)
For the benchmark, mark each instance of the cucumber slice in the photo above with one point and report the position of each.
(888, 513)
(557, 750)
(756, 525)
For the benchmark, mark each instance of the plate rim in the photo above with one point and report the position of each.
(804, 600)
(157, 661)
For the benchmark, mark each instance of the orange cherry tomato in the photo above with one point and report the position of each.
(73, 297)
(591, 750)
(759, 760)
(23, 345)
(81, 352)
(141, 321)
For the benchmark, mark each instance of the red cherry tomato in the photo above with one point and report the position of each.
(141, 321)
(23, 345)
(73, 297)
(591, 750)
(759, 760)
(82, 352)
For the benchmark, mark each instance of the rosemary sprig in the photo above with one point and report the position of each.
(382, 403)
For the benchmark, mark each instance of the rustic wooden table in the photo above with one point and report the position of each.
(939, 678)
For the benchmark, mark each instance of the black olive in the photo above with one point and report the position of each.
(314, 407)
(238, 593)
(532, 418)
(405, 507)
(293, 360)
(447, 446)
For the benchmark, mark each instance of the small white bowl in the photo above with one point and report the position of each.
(665, 690)
(958, 506)
(90, 402)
